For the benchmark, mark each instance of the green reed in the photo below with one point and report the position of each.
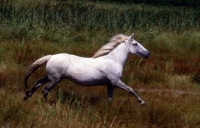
(29, 19)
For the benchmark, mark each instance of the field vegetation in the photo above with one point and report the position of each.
(168, 81)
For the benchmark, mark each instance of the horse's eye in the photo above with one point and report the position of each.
(135, 44)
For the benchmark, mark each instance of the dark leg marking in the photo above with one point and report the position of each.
(37, 85)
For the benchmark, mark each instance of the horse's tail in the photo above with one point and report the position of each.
(34, 67)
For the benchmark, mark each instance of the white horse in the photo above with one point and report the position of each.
(104, 68)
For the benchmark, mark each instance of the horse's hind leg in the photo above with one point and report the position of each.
(48, 88)
(37, 85)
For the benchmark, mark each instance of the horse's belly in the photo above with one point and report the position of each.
(90, 82)
(87, 78)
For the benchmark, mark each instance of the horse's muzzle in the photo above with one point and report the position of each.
(146, 56)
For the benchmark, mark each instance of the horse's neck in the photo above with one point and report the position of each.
(119, 54)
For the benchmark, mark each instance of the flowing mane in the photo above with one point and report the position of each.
(112, 44)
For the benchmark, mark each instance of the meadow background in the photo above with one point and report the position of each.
(169, 81)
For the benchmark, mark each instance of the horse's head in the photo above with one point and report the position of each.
(137, 48)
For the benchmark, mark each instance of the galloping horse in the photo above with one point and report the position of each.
(104, 68)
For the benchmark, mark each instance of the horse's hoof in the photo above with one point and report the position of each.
(25, 97)
(109, 99)
(143, 104)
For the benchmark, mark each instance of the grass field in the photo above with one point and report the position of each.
(168, 81)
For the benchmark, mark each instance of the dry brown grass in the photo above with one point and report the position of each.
(164, 81)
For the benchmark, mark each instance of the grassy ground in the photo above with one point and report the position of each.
(168, 81)
(164, 81)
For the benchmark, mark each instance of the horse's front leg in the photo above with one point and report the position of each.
(121, 85)
(110, 89)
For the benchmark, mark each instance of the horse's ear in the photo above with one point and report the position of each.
(132, 35)
(130, 39)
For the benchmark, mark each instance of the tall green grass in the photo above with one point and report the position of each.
(42, 19)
